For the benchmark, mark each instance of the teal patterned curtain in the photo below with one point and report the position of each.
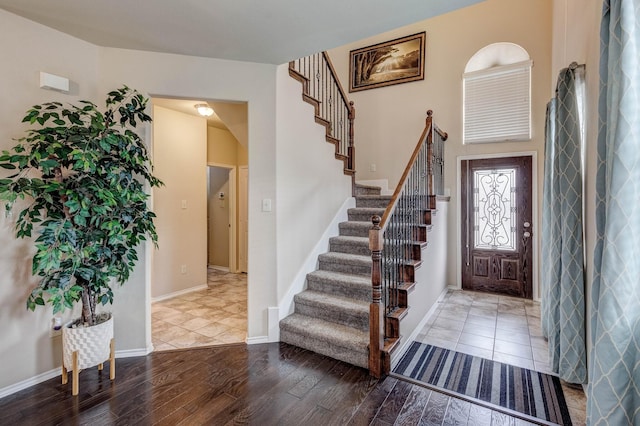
(614, 366)
(562, 274)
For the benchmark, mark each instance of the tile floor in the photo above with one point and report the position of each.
(500, 328)
(214, 316)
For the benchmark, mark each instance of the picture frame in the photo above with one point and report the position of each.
(384, 64)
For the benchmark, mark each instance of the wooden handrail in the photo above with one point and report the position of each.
(389, 284)
(396, 194)
(343, 94)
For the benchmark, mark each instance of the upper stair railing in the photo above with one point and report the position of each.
(396, 241)
(322, 89)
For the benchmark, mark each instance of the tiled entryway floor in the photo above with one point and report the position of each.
(217, 315)
(500, 328)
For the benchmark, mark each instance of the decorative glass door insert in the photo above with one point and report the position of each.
(495, 209)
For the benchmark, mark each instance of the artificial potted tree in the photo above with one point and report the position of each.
(79, 182)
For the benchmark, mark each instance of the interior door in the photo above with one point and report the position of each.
(496, 226)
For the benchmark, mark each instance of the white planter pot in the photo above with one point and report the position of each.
(92, 344)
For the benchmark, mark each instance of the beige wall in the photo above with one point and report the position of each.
(390, 119)
(26, 349)
(178, 76)
(234, 116)
(179, 153)
(26, 49)
(222, 147)
(310, 193)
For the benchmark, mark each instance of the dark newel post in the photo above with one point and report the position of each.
(351, 149)
(376, 309)
(430, 190)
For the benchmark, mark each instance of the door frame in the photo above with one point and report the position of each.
(534, 211)
(246, 205)
(233, 228)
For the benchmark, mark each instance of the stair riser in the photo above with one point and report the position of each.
(372, 203)
(359, 320)
(360, 359)
(339, 289)
(348, 230)
(351, 248)
(345, 268)
(367, 191)
(362, 216)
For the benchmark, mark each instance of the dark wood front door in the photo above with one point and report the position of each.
(496, 226)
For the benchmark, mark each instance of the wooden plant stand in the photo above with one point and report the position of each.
(75, 373)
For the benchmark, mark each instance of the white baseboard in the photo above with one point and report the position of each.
(257, 340)
(43, 377)
(128, 353)
(178, 293)
(273, 321)
(406, 343)
(56, 372)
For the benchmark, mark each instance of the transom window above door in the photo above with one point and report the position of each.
(497, 95)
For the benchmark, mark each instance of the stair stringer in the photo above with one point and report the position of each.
(304, 81)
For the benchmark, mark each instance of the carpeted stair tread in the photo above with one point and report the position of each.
(350, 244)
(345, 262)
(338, 283)
(350, 239)
(323, 299)
(367, 190)
(369, 210)
(333, 308)
(355, 228)
(364, 214)
(327, 338)
(376, 201)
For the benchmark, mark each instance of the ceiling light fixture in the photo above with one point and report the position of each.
(204, 110)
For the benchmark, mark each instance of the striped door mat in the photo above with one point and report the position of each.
(529, 392)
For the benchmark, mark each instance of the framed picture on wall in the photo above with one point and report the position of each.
(383, 64)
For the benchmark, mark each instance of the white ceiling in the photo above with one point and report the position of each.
(187, 106)
(266, 31)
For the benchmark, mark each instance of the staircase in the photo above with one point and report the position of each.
(355, 301)
(331, 317)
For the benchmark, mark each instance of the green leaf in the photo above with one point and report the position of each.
(7, 166)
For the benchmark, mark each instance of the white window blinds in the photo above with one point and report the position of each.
(497, 104)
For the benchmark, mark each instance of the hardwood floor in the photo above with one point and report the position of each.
(268, 384)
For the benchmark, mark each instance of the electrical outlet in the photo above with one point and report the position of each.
(373, 167)
(183, 269)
